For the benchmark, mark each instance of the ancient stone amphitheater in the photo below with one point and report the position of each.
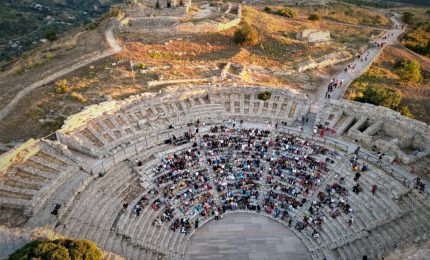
(103, 176)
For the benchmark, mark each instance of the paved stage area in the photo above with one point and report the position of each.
(245, 236)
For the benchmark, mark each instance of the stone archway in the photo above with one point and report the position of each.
(245, 236)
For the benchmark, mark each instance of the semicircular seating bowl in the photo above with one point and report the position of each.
(110, 157)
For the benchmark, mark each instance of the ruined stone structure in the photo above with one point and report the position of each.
(90, 170)
(393, 134)
(162, 4)
(172, 17)
(143, 8)
(324, 61)
(314, 36)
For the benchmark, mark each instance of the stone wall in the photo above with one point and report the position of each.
(165, 21)
(88, 132)
(399, 137)
(326, 60)
(149, 12)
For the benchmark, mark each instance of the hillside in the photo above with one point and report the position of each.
(24, 24)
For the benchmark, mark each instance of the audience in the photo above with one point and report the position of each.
(250, 169)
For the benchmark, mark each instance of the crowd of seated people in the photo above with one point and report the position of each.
(296, 169)
(184, 188)
(236, 160)
(252, 169)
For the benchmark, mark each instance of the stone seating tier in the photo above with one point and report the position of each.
(92, 171)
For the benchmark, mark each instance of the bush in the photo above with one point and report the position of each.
(61, 249)
(264, 95)
(287, 12)
(79, 97)
(404, 110)
(408, 70)
(314, 17)
(246, 35)
(51, 35)
(381, 96)
(61, 86)
(92, 26)
(417, 42)
(114, 11)
(408, 17)
(267, 9)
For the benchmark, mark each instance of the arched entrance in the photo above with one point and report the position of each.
(245, 236)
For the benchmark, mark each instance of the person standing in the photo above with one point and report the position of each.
(350, 221)
(374, 188)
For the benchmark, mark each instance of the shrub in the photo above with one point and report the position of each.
(79, 97)
(264, 95)
(404, 110)
(246, 35)
(267, 9)
(408, 17)
(287, 12)
(381, 96)
(51, 35)
(61, 249)
(61, 86)
(417, 42)
(114, 11)
(314, 17)
(92, 26)
(408, 70)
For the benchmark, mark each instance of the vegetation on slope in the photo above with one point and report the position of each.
(417, 37)
(385, 4)
(246, 35)
(24, 23)
(397, 80)
(343, 13)
(59, 249)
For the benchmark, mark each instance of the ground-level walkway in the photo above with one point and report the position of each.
(246, 236)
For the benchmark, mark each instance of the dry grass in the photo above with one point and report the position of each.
(381, 73)
(190, 56)
(342, 12)
(277, 46)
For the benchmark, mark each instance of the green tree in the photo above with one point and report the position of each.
(408, 17)
(50, 251)
(246, 35)
(314, 17)
(59, 249)
(408, 70)
(51, 35)
(381, 96)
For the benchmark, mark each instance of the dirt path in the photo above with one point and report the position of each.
(361, 67)
(76, 64)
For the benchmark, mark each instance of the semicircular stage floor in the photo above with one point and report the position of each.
(245, 236)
